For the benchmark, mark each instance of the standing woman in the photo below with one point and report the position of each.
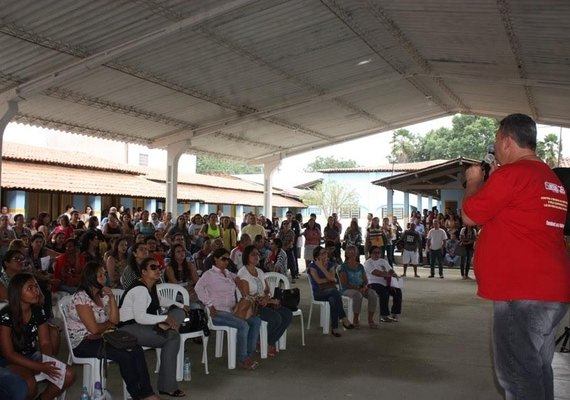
(196, 225)
(93, 310)
(323, 281)
(312, 236)
(467, 238)
(211, 230)
(87, 214)
(24, 337)
(128, 228)
(332, 234)
(43, 223)
(252, 283)
(229, 234)
(353, 237)
(216, 289)
(139, 314)
(117, 262)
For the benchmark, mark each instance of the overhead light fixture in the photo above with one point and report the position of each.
(364, 62)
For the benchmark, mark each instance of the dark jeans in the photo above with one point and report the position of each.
(333, 296)
(390, 254)
(466, 260)
(384, 294)
(292, 262)
(436, 255)
(132, 365)
(523, 342)
(278, 320)
(12, 386)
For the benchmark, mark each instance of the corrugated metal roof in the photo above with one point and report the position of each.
(281, 73)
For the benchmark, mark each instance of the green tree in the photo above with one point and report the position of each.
(331, 196)
(547, 149)
(404, 144)
(212, 165)
(329, 163)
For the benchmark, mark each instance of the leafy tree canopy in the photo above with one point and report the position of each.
(329, 163)
(212, 165)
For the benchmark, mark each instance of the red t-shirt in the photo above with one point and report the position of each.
(521, 253)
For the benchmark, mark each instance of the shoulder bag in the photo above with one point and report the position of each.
(288, 297)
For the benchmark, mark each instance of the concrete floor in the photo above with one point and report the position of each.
(441, 349)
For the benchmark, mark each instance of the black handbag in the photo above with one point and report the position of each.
(194, 322)
(119, 339)
(288, 297)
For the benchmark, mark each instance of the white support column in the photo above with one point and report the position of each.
(390, 203)
(419, 202)
(7, 111)
(430, 202)
(406, 216)
(174, 151)
(268, 170)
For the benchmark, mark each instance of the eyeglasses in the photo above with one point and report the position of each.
(154, 267)
(19, 259)
(225, 259)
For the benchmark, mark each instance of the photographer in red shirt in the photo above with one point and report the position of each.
(522, 210)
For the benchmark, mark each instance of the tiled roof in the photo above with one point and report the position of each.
(53, 178)
(54, 156)
(401, 167)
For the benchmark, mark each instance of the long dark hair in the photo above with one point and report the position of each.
(246, 253)
(86, 239)
(174, 264)
(15, 288)
(115, 252)
(89, 279)
(132, 261)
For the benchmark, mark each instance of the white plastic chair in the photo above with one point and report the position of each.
(170, 291)
(263, 345)
(275, 279)
(91, 365)
(325, 320)
(232, 340)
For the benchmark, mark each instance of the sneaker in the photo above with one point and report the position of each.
(441, 277)
(386, 319)
(394, 318)
(431, 276)
(416, 276)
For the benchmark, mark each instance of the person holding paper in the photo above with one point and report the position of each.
(385, 282)
(25, 340)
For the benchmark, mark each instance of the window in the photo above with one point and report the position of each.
(143, 160)
(349, 212)
(398, 212)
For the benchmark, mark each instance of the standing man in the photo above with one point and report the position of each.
(436, 239)
(422, 232)
(521, 260)
(412, 245)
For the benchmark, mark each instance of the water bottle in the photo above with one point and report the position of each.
(98, 392)
(187, 369)
(84, 394)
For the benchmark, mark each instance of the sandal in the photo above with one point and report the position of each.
(176, 393)
(373, 325)
(249, 364)
(349, 326)
(335, 334)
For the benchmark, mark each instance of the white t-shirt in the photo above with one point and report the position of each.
(437, 237)
(256, 283)
(381, 265)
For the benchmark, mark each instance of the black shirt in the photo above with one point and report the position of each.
(28, 342)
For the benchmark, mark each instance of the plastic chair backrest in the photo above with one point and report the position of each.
(170, 291)
(117, 293)
(63, 305)
(276, 279)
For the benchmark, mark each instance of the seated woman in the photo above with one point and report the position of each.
(354, 284)
(277, 260)
(252, 283)
(117, 261)
(90, 247)
(68, 267)
(13, 264)
(138, 254)
(380, 276)
(216, 289)
(323, 282)
(24, 338)
(92, 311)
(140, 316)
(179, 270)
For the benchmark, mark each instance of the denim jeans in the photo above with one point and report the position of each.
(333, 296)
(12, 386)
(524, 332)
(436, 255)
(292, 262)
(247, 332)
(390, 254)
(466, 261)
(278, 320)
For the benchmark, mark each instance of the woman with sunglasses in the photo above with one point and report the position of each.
(252, 283)
(25, 337)
(93, 310)
(140, 315)
(323, 281)
(216, 289)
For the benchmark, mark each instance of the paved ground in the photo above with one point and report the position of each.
(440, 350)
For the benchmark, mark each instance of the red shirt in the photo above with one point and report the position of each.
(521, 253)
